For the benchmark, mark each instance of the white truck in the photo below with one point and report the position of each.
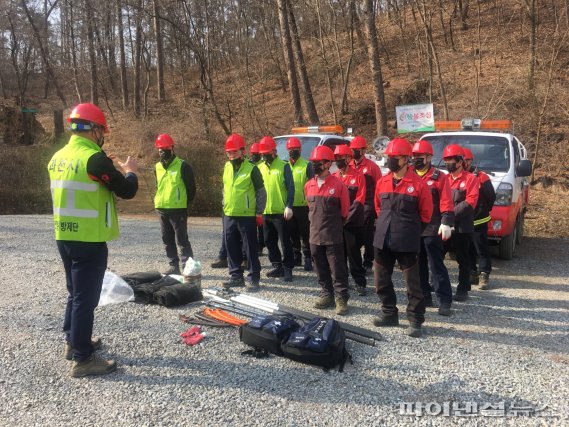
(499, 153)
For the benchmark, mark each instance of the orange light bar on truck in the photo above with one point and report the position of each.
(473, 124)
(318, 129)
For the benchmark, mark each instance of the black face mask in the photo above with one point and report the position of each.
(317, 168)
(165, 156)
(236, 162)
(357, 154)
(255, 157)
(451, 167)
(472, 168)
(268, 158)
(393, 164)
(342, 163)
(294, 154)
(419, 163)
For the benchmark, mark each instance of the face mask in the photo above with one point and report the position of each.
(100, 139)
(294, 154)
(393, 164)
(419, 163)
(342, 163)
(236, 162)
(317, 168)
(255, 157)
(451, 167)
(165, 155)
(268, 158)
(357, 154)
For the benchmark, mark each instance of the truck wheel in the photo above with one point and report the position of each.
(520, 229)
(508, 244)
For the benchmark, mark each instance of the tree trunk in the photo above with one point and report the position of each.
(375, 67)
(532, 16)
(137, 61)
(159, 53)
(289, 57)
(325, 61)
(74, 54)
(124, 83)
(308, 98)
(92, 55)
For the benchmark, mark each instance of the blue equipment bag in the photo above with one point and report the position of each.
(266, 333)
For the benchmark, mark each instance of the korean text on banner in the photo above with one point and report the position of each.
(415, 118)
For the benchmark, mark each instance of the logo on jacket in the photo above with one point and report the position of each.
(353, 181)
(462, 185)
(410, 189)
(430, 182)
(365, 170)
(331, 191)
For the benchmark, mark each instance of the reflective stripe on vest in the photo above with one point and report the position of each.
(273, 178)
(171, 191)
(83, 210)
(299, 177)
(238, 190)
(482, 220)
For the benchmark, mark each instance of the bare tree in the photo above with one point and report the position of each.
(124, 83)
(531, 13)
(159, 53)
(92, 55)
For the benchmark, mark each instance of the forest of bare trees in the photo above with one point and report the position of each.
(135, 55)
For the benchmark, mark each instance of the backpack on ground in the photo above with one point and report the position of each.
(320, 342)
(266, 333)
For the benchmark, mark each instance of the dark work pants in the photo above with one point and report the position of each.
(235, 229)
(300, 232)
(460, 244)
(353, 239)
(384, 264)
(223, 248)
(85, 264)
(276, 229)
(479, 249)
(432, 256)
(260, 238)
(369, 231)
(174, 228)
(330, 266)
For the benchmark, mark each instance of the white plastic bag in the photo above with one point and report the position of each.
(193, 272)
(115, 290)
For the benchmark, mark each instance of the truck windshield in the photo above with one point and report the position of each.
(491, 153)
(308, 143)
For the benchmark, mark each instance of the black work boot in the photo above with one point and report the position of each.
(287, 276)
(234, 283)
(444, 309)
(384, 320)
(307, 264)
(460, 296)
(220, 263)
(474, 277)
(174, 269)
(414, 330)
(429, 300)
(277, 271)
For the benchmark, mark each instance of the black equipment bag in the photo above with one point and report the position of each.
(320, 342)
(266, 333)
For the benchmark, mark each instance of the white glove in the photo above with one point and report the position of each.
(445, 231)
(287, 213)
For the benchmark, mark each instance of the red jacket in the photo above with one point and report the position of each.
(464, 189)
(403, 210)
(327, 209)
(356, 185)
(372, 173)
(443, 206)
(486, 198)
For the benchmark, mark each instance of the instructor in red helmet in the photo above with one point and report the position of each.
(84, 182)
(175, 190)
(404, 206)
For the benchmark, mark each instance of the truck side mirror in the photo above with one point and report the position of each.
(524, 168)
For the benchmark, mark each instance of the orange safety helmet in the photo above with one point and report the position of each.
(254, 149)
(322, 153)
(267, 145)
(164, 141)
(423, 147)
(467, 154)
(398, 147)
(453, 150)
(234, 142)
(90, 113)
(293, 143)
(343, 150)
(358, 142)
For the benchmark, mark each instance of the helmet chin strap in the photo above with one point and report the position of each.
(100, 140)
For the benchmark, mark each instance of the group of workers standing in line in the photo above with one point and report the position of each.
(321, 220)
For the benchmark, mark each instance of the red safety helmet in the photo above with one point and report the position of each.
(423, 147)
(254, 148)
(90, 113)
(343, 150)
(267, 145)
(398, 147)
(358, 142)
(453, 150)
(235, 140)
(467, 154)
(293, 143)
(164, 141)
(322, 153)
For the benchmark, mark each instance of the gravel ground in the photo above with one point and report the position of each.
(508, 344)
